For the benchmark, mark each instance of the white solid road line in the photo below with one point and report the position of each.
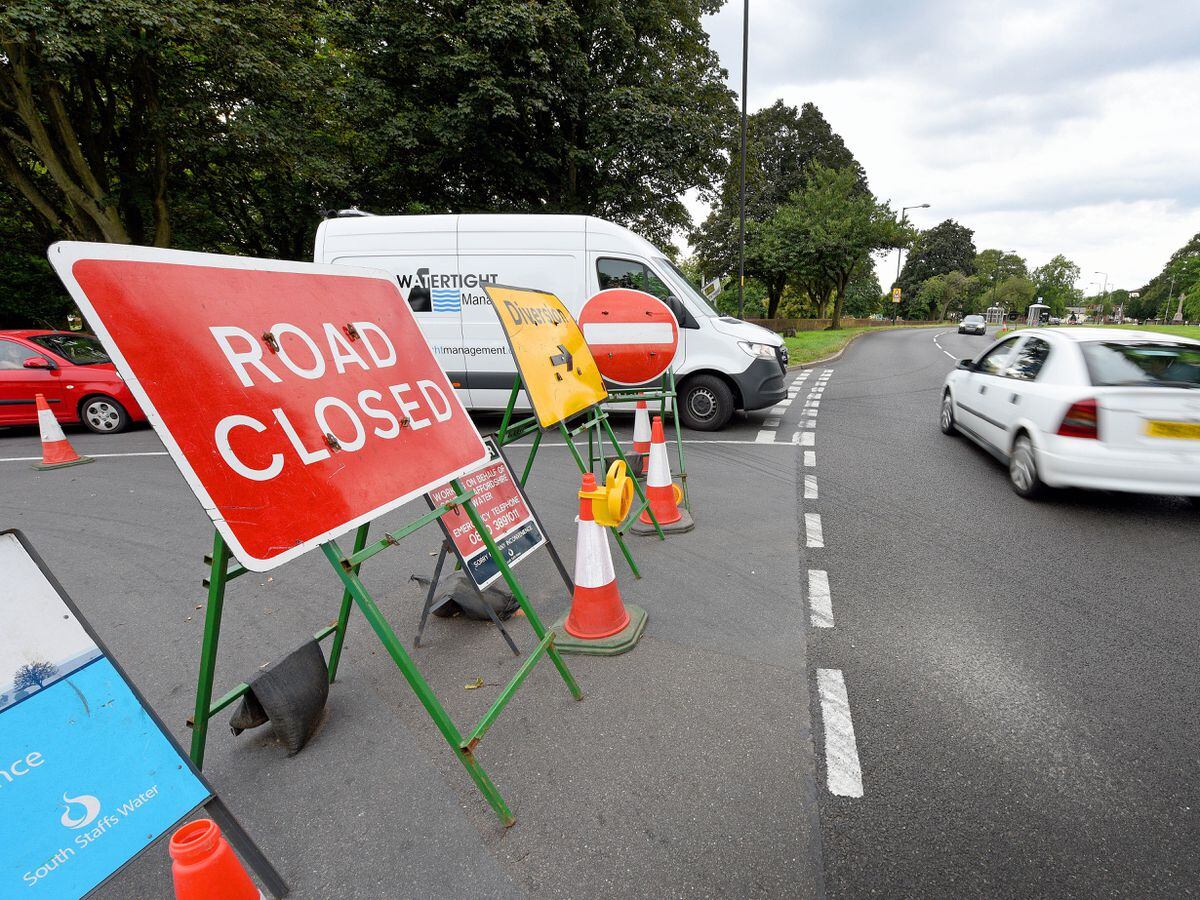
(810, 458)
(810, 487)
(93, 455)
(843, 773)
(813, 534)
(818, 599)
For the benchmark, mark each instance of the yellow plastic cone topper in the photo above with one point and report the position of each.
(611, 501)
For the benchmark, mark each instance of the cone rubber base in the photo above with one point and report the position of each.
(684, 524)
(621, 642)
(63, 465)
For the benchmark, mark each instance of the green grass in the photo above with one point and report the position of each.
(1188, 331)
(807, 346)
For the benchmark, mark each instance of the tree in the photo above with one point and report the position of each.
(947, 247)
(133, 121)
(1176, 278)
(1015, 294)
(557, 106)
(1055, 284)
(943, 293)
(783, 145)
(864, 295)
(34, 674)
(830, 229)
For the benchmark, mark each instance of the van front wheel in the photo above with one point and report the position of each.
(705, 403)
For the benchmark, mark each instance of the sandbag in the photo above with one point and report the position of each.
(290, 694)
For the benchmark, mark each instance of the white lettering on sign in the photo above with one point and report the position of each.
(20, 767)
(238, 360)
(349, 424)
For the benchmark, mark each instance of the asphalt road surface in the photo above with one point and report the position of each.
(871, 670)
(1022, 677)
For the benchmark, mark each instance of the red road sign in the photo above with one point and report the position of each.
(298, 400)
(633, 335)
(506, 514)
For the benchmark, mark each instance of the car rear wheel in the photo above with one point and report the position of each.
(1022, 470)
(706, 403)
(103, 415)
(946, 419)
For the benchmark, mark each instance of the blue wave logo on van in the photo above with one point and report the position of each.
(446, 299)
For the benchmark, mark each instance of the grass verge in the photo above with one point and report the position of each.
(811, 345)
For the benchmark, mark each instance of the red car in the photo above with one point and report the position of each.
(72, 372)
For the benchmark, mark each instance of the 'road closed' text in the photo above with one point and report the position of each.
(344, 424)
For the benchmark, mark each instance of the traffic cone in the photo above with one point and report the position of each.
(57, 451)
(204, 866)
(639, 461)
(663, 494)
(599, 621)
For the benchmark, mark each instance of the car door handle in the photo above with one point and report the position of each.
(1015, 398)
(983, 389)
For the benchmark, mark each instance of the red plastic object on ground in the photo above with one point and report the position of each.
(205, 867)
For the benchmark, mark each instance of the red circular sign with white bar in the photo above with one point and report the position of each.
(633, 335)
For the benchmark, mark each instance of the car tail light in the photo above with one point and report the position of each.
(1082, 421)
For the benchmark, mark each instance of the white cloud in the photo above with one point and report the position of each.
(1060, 127)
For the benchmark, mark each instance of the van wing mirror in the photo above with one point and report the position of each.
(682, 316)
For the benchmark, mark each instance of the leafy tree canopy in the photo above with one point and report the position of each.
(947, 247)
(1055, 284)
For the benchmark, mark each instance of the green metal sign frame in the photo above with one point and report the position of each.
(595, 422)
(224, 569)
(663, 393)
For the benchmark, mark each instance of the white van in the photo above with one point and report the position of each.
(440, 262)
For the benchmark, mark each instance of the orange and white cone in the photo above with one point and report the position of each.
(641, 439)
(598, 622)
(663, 494)
(204, 866)
(56, 449)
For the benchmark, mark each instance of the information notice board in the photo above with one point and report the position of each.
(89, 776)
(505, 511)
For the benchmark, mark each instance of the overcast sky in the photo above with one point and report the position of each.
(1047, 127)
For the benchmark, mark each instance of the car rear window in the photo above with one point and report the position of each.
(1148, 363)
(80, 349)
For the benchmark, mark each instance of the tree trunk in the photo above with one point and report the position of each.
(835, 320)
(775, 288)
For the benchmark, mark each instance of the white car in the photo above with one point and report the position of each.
(1111, 409)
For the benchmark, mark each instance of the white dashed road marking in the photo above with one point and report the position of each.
(810, 487)
(842, 771)
(813, 534)
(810, 458)
(808, 439)
(818, 599)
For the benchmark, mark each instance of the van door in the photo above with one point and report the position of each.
(614, 270)
(550, 260)
(426, 282)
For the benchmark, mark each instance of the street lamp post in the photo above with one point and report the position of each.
(900, 254)
(1103, 293)
(742, 193)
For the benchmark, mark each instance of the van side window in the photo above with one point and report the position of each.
(625, 273)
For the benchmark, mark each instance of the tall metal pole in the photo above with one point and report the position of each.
(742, 193)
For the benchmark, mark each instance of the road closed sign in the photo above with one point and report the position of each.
(88, 775)
(633, 335)
(298, 400)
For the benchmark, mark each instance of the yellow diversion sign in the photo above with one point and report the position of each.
(555, 363)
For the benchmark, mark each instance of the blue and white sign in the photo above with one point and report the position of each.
(88, 776)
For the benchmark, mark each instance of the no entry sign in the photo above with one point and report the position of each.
(633, 335)
(505, 511)
(298, 400)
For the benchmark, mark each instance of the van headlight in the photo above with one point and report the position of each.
(762, 351)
